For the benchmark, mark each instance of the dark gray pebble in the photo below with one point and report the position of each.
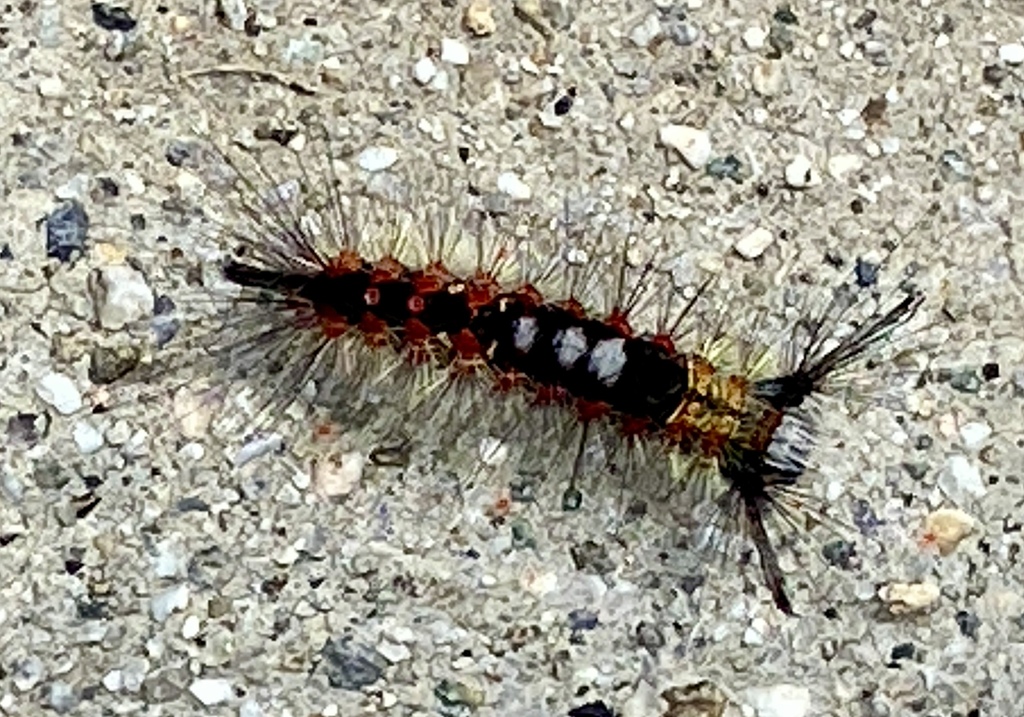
(350, 665)
(67, 229)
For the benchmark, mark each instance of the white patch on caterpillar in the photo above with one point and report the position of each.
(607, 360)
(525, 333)
(569, 345)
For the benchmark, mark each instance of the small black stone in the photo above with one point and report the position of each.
(864, 517)
(572, 499)
(5, 251)
(582, 619)
(840, 553)
(138, 222)
(592, 709)
(592, 557)
(834, 259)
(351, 666)
(192, 504)
(727, 167)
(108, 186)
(67, 229)
(178, 153)
(990, 371)
(27, 428)
(866, 272)
(112, 18)
(866, 19)
(275, 134)
(994, 74)
(903, 651)
(564, 103)
(163, 305)
(92, 609)
(785, 16)
(108, 364)
(968, 623)
(965, 382)
(916, 471)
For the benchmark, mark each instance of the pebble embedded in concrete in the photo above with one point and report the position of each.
(693, 144)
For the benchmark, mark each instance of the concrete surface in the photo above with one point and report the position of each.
(148, 573)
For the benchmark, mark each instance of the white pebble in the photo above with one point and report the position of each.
(767, 78)
(1012, 53)
(211, 691)
(800, 173)
(946, 527)
(394, 652)
(51, 86)
(890, 145)
(113, 680)
(754, 243)
(87, 437)
(164, 603)
(27, 673)
(693, 144)
(120, 296)
(539, 583)
(479, 18)
(493, 452)
(424, 70)
(847, 116)
(190, 628)
(908, 597)
(644, 34)
(783, 700)
(755, 632)
(59, 391)
(959, 477)
(440, 81)
(975, 433)
(842, 164)
(454, 52)
(401, 633)
(338, 475)
(509, 183)
(848, 49)
(250, 708)
(376, 159)
(754, 37)
(259, 445)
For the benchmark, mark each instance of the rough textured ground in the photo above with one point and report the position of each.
(142, 572)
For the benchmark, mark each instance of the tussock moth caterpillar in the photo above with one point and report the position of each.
(491, 330)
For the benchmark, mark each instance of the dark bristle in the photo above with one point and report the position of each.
(751, 497)
(814, 369)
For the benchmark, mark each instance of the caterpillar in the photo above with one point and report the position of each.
(326, 284)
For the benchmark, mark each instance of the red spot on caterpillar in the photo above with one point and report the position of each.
(431, 278)
(619, 321)
(417, 339)
(374, 330)
(592, 410)
(665, 342)
(387, 269)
